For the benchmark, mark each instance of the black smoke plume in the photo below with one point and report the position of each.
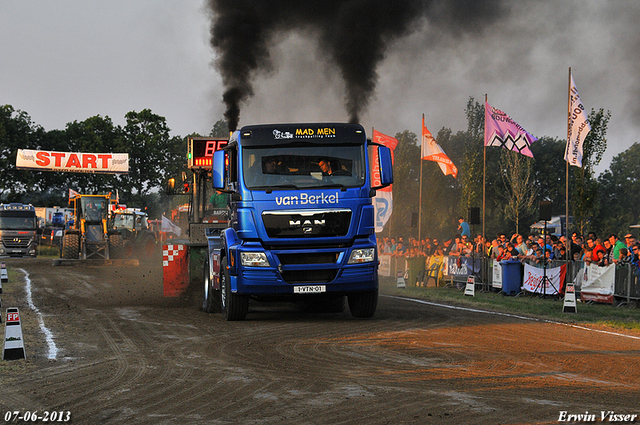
(353, 33)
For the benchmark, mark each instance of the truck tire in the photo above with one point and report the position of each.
(363, 304)
(234, 307)
(116, 246)
(71, 246)
(209, 302)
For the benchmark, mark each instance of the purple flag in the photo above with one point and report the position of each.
(501, 130)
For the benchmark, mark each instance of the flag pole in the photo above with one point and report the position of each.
(420, 197)
(566, 193)
(484, 174)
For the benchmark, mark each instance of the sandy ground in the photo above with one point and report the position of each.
(125, 354)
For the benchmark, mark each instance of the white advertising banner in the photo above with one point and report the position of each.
(496, 282)
(106, 163)
(383, 203)
(384, 269)
(533, 276)
(597, 283)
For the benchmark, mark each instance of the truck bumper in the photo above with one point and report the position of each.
(290, 273)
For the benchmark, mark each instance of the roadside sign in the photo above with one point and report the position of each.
(569, 305)
(470, 289)
(13, 342)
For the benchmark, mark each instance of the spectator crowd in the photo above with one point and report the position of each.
(533, 249)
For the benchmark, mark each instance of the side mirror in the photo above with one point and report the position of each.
(219, 163)
(385, 167)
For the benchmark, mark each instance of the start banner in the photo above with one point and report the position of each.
(106, 163)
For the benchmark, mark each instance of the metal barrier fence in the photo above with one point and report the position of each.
(455, 271)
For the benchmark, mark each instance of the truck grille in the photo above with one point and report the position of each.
(307, 223)
(309, 276)
(15, 241)
(309, 258)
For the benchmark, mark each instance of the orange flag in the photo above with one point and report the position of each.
(432, 151)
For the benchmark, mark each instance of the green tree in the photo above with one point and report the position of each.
(440, 193)
(519, 194)
(406, 173)
(17, 131)
(146, 138)
(620, 193)
(549, 172)
(586, 190)
(97, 135)
(471, 169)
(220, 130)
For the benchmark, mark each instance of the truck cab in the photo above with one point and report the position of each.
(18, 230)
(88, 235)
(133, 226)
(301, 223)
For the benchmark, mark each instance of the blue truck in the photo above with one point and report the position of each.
(300, 222)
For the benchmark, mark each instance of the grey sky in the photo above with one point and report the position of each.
(62, 61)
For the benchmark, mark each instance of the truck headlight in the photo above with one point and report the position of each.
(254, 259)
(362, 256)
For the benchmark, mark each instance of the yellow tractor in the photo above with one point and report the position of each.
(88, 236)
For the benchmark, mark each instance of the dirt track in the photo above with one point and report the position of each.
(125, 354)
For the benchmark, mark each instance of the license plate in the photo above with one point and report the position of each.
(310, 289)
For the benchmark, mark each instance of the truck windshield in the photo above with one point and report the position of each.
(123, 221)
(285, 167)
(17, 222)
(94, 209)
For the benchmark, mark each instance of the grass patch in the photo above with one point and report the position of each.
(48, 251)
(525, 305)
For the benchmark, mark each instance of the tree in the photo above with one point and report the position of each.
(620, 192)
(147, 140)
(549, 172)
(471, 171)
(406, 173)
(440, 193)
(17, 131)
(220, 130)
(520, 194)
(95, 134)
(584, 196)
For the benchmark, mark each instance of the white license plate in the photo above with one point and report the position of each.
(310, 289)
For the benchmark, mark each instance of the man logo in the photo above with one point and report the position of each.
(306, 223)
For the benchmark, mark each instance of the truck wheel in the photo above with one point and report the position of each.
(363, 304)
(116, 246)
(209, 302)
(71, 246)
(234, 306)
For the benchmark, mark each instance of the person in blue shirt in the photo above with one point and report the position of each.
(463, 228)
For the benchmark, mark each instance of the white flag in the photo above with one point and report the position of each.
(578, 127)
(169, 227)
